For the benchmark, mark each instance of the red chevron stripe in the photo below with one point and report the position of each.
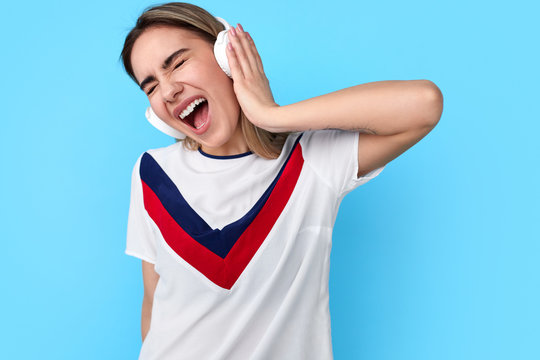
(225, 272)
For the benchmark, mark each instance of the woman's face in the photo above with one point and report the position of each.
(171, 77)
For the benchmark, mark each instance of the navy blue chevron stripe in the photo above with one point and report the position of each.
(218, 241)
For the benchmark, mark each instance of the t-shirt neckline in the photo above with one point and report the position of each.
(224, 157)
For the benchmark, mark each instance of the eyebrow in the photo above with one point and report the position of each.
(166, 64)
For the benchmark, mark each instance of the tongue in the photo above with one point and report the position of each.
(201, 116)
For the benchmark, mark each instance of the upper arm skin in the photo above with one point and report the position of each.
(375, 151)
(150, 279)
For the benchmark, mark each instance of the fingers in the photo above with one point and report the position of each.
(244, 54)
(255, 59)
(236, 70)
(237, 47)
(254, 53)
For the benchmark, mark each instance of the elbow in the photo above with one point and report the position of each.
(434, 104)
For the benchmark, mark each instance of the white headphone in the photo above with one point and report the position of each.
(220, 48)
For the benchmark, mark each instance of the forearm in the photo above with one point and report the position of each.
(382, 108)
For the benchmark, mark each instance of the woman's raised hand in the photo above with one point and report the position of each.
(250, 83)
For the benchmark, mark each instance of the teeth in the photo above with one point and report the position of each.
(190, 107)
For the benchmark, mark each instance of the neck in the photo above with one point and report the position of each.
(236, 145)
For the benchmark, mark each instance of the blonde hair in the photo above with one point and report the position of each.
(199, 21)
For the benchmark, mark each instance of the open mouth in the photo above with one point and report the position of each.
(198, 116)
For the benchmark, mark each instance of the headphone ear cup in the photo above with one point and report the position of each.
(162, 125)
(220, 47)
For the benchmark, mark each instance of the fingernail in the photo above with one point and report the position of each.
(240, 27)
(248, 36)
(233, 32)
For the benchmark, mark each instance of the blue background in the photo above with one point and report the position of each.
(436, 258)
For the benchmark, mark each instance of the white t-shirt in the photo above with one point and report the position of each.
(242, 247)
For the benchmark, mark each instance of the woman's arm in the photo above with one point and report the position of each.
(390, 116)
(150, 279)
(380, 108)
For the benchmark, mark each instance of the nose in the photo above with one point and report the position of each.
(170, 89)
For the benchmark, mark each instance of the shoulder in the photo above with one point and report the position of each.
(160, 155)
(164, 152)
(328, 143)
(333, 156)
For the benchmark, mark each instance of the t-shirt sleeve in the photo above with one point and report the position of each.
(141, 238)
(333, 155)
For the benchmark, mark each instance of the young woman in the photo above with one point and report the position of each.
(234, 223)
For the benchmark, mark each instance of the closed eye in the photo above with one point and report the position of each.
(150, 91)
(179, 64)
(176, 67)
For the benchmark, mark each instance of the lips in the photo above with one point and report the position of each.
(178, 110)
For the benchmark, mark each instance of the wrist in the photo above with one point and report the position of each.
(270, 119)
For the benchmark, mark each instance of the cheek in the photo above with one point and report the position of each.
(217, 82)
(159, 108)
